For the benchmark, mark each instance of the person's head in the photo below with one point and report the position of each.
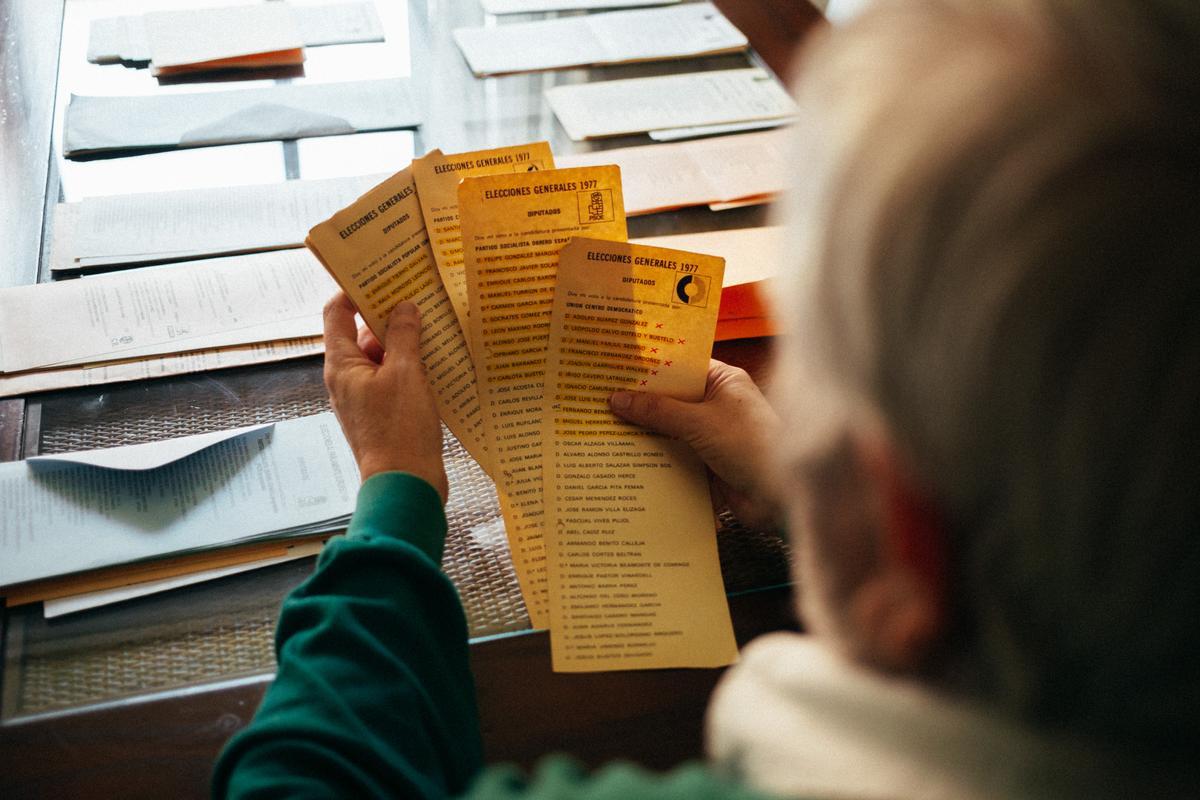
(991, 376)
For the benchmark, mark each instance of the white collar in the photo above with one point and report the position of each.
(795, 719)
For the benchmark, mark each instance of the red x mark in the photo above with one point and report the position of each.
(643, 383)
(666, 363)
(653, 372)
(653, 349)
(683, 341)
(657, 325)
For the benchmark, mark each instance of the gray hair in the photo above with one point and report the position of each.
(997, 229)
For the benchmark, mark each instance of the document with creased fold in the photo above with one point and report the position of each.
(159, 310)
(200, 39)
(659, 177)
(682, 31)
(96, 125)
(540, 6)
(637, 105)
(378, 251)
(437, 175)
(292, 478)
(116, 39)
(512, 229)
(19, 384)
(626, 590)
(148, 455)
(160, 227)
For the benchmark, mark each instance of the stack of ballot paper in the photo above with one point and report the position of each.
(683, 31)
(165, 320)
(100, 521)
(233, 37)
(535, 309)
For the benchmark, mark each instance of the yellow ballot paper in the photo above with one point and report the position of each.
(512, 229)
(437, 176)
(635, 581)
(378, 252)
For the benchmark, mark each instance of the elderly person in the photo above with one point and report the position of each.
(986, 453)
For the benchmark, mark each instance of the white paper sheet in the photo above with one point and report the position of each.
(19, 384)
(104, 597)
(116, 39)
(539, 6)
(658, 177)
(655, 34)
(183, 37)
(169, 309)
(155, 227)
(296, 477)
(636, 105)
(195, 119)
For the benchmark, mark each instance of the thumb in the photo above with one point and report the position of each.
(677, 418)
(403, 335)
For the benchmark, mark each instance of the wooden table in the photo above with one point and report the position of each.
(163, 745)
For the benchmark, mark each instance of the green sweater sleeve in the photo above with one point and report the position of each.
(373, 696)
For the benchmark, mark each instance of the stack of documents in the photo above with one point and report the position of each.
(241, 37)
(693, 100)
(159, 227)
(205, 39)
(717, 172)
(97, 125)
(535, 309)
(162, 321)
(691, 29)
(71, 513)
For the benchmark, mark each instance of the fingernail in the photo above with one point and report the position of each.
(621, 401)
(407, 309)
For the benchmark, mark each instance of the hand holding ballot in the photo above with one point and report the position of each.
(731, 430)
(386, 408)
(560, 311)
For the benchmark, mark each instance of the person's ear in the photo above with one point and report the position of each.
(900, 610)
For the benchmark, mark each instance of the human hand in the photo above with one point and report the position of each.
(731, 430)
(381, 395)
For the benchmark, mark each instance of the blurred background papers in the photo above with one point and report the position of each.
(98, 125)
